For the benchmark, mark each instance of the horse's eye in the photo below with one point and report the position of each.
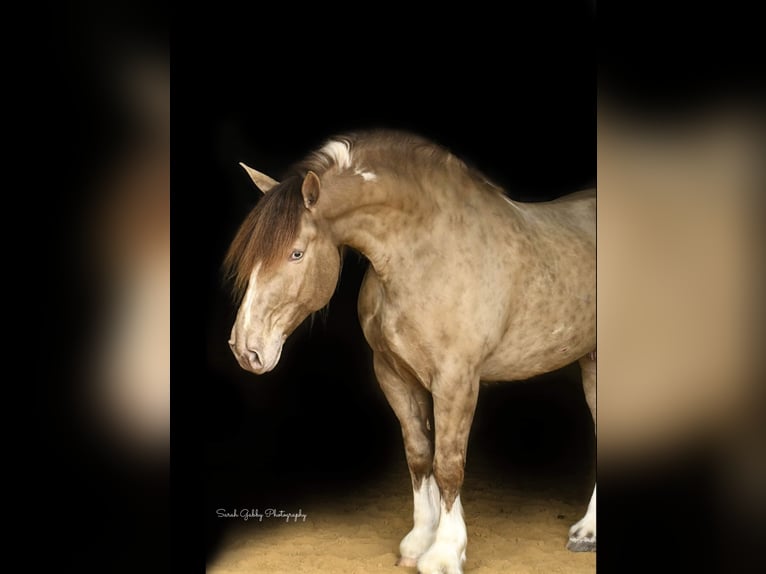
(296, 255)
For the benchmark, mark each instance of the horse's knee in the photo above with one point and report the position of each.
(449, 473)
(420, 467)
(419, 451)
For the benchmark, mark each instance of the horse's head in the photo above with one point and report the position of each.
(284, 265)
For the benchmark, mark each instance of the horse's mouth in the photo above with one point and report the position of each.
(256, 362)
(266, 364)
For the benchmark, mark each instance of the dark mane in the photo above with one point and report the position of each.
(266, 234)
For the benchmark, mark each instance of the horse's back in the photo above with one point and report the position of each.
(575, 211)
(582, 195)
(550, 311)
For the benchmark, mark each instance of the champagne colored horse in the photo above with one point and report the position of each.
(464, 286)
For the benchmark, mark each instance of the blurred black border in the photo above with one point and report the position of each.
(83, 506)
(667, 65)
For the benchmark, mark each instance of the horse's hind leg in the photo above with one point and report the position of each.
(582, 536)
(412, 405)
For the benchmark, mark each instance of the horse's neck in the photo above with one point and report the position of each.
(378, 219)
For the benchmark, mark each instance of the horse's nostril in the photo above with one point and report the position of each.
(255, 359)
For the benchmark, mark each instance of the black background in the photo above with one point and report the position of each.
(520, 108)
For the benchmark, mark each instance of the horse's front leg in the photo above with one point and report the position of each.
(411, 403)
(454, 398)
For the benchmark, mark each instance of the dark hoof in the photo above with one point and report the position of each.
(581, 545)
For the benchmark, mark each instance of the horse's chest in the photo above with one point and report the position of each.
(391, 329)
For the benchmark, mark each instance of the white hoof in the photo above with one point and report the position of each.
(405, 562)
(415, 544)
(441, 558)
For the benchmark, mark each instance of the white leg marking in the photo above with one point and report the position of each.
(582, 536)
(425, 519)
(447, 554)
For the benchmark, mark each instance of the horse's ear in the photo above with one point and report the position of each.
(261, 180)
(310, 190)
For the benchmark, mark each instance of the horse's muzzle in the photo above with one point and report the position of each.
(255, 360)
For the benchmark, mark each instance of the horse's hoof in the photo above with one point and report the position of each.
(441, 558)
(405, 562)
(584, 544)
(582, 535)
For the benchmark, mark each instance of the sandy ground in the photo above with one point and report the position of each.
(511, 529)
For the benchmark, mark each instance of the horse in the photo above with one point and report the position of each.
(464, 286)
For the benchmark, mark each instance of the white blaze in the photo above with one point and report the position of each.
(245, 310)
(256, 340)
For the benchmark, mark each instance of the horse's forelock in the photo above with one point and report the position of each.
(266, 234)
